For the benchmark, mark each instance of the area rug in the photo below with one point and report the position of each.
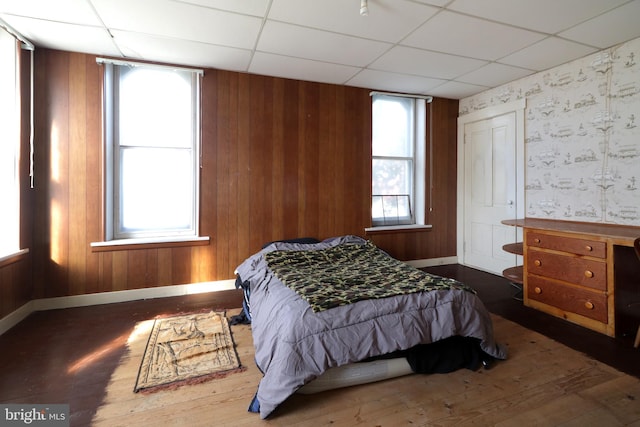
(187, 349)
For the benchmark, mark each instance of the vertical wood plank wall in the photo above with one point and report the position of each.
(280, 159)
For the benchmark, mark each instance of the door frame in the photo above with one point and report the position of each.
(518, 107)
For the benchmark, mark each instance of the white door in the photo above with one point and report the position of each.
(489, 192)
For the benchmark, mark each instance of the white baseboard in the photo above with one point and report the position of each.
(43, 304)
(15, 317)
(421, 263)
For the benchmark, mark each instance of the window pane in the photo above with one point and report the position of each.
(377, 210)
(391, 210)
(156, 189)
(9, 213)
(391, 176)
(402, 207)
(155, 108)
(392, 131)
(9, 147)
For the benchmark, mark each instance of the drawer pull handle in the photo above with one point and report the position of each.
(588, 305)
(537, 290)
(536, 240)
(588, 274)
(537, 263)
(589, 248)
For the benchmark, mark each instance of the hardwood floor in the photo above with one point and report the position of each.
(68, 356)
(43, 356)
(497, 295)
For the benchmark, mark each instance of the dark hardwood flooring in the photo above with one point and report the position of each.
(497, 295)
(68, 356)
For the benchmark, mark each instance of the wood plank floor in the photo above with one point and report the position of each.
(71, 355)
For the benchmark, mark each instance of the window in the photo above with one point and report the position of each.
(398, 160)
(9, 145)
(152, 141)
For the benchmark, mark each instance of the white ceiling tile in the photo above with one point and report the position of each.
(301, 69)
(494, 75)
(179, 20)
(71, 11)
(394, 82)
(549, 16)
(457, 90)
(388, 20)
(152, 48)
(409, 60)
(438, 3)
(74, 38)
(611, 28)
(248, 7)
(547, 53)
(416, 46)
(302, 42)
(473, 37)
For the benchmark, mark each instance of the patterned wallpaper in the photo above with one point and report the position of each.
(582, 136)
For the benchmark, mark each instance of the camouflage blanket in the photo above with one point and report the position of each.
(348, 273)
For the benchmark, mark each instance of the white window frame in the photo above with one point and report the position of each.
(418, 165)
(10, 146)
(114, 233)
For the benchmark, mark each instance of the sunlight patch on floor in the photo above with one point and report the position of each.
(102, 351)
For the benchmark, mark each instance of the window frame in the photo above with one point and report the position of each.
(10, 228)
(114, 237)
(417, 199)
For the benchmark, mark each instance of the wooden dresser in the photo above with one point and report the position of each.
(569, 269)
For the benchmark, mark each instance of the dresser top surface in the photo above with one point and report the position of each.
(621, 234)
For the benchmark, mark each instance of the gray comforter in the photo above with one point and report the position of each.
(293, 344)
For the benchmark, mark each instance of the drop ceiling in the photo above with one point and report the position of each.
(445, 48)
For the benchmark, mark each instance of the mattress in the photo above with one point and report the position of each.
(358, 373)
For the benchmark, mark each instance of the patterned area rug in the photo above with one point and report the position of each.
(187, 349)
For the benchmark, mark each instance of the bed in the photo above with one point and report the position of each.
(318, 308)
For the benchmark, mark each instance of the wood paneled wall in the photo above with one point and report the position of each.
(280, 159)
(15, 285)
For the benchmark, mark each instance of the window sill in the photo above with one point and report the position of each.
(413, 228)
(14, 257)
(150, 243)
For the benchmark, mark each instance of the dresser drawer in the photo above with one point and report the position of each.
(567, 244)
(579, 271)
(591, 304)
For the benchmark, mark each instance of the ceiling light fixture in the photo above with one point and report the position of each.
(364, 8)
